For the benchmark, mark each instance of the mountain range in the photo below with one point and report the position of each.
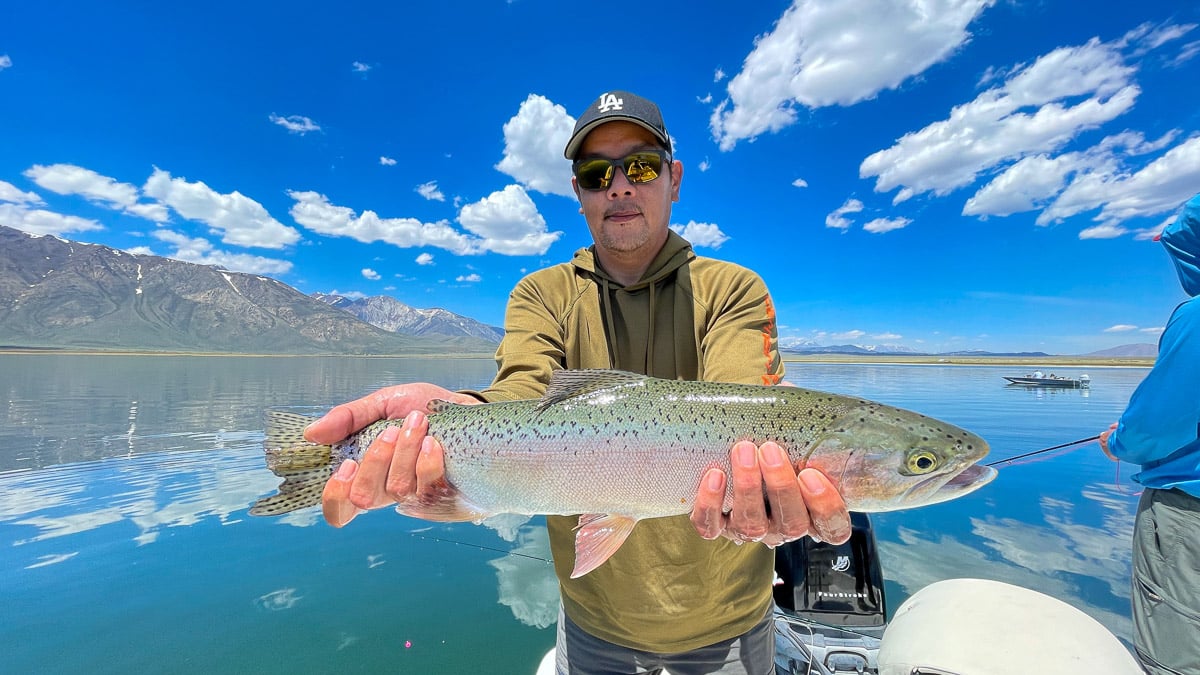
(392, 315)
(56, 293)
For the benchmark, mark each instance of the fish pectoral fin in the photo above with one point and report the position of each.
(442, 503)
(597, 537)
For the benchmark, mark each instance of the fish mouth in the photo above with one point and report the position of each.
(940, 488)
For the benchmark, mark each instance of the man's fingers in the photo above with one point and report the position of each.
(367, 490)
(707, 515)
(830, 521)
(335, 498)
(431, 468)
(749, 517)
(789, 514)
(402, 474)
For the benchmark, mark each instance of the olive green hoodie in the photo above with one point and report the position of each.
(666, 589)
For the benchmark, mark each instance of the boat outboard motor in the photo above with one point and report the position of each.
(830, 597)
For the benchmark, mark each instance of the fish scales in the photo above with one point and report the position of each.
(620, 447)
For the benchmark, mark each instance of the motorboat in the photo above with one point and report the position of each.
(1051, 380)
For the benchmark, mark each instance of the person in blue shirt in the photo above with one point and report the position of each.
(1160, 430)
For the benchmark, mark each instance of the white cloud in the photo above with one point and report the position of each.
(1161, 186)
(296, 124)
(702, 234)
(533, 145)
(1032, 182)
(1186, 53)
(387, 161)
(469, 278)
(837, 52)
(845, 336)
(881, 225)
(704, 165)
(5, 61)
(371, 274)
(239, 220)
(800, 183)
(1015, 128)
(359, 67)
(508, 223)
(838, 220)
(425, 259)
(1038, 109)
(202, 252)
(1120, 328)
(40, 221)
(1102, 232)
(314, 211)
(68, 179)
(718, 75)
(10, 193)
(430, 191)
(1153, 330)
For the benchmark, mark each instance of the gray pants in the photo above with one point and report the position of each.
(1166, 582)
(578, 653)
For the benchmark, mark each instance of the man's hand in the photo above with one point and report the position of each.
(804, 504)
(402, 461)
(1104, 441)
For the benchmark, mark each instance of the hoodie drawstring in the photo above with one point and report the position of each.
(650, 340)
(610, 334)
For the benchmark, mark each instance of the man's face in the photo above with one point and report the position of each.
(625, 218)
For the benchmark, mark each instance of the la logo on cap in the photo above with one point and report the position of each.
(610, 102)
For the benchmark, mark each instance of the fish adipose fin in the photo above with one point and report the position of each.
(597, 538)
(568, 384)
(304, 466)
(442, 503)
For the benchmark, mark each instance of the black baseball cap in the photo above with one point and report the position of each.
(613, 106)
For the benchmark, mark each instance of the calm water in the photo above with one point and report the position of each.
(125, 544)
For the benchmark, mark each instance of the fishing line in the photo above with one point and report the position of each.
(1044, 450)
(480, 547)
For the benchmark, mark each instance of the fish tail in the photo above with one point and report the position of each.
(303, 466)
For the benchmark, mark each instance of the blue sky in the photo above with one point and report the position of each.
(943, 174)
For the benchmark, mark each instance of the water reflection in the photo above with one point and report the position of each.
(136, 473)
(152, 492)
(1060, 556)
(526, 579)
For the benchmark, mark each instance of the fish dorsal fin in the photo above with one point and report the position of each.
(570, 384)
(437, 405)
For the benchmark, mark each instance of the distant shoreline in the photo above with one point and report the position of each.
(1029, 363)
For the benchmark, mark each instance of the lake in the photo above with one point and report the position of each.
(125, 544)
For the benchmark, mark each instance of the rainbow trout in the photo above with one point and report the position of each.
(619, 447)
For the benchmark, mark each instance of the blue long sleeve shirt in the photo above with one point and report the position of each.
(1160, 428)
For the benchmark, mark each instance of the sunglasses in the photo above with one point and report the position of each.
(640, 167)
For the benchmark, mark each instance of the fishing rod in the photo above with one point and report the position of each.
(1044, 450)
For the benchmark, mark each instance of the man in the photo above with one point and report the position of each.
(639, 299)
(1160, 429)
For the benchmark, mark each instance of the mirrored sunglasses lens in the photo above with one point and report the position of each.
(642, 167)
(594, 174)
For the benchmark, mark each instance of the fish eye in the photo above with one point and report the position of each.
(922, 461)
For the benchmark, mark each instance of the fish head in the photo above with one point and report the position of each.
(885, 459)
